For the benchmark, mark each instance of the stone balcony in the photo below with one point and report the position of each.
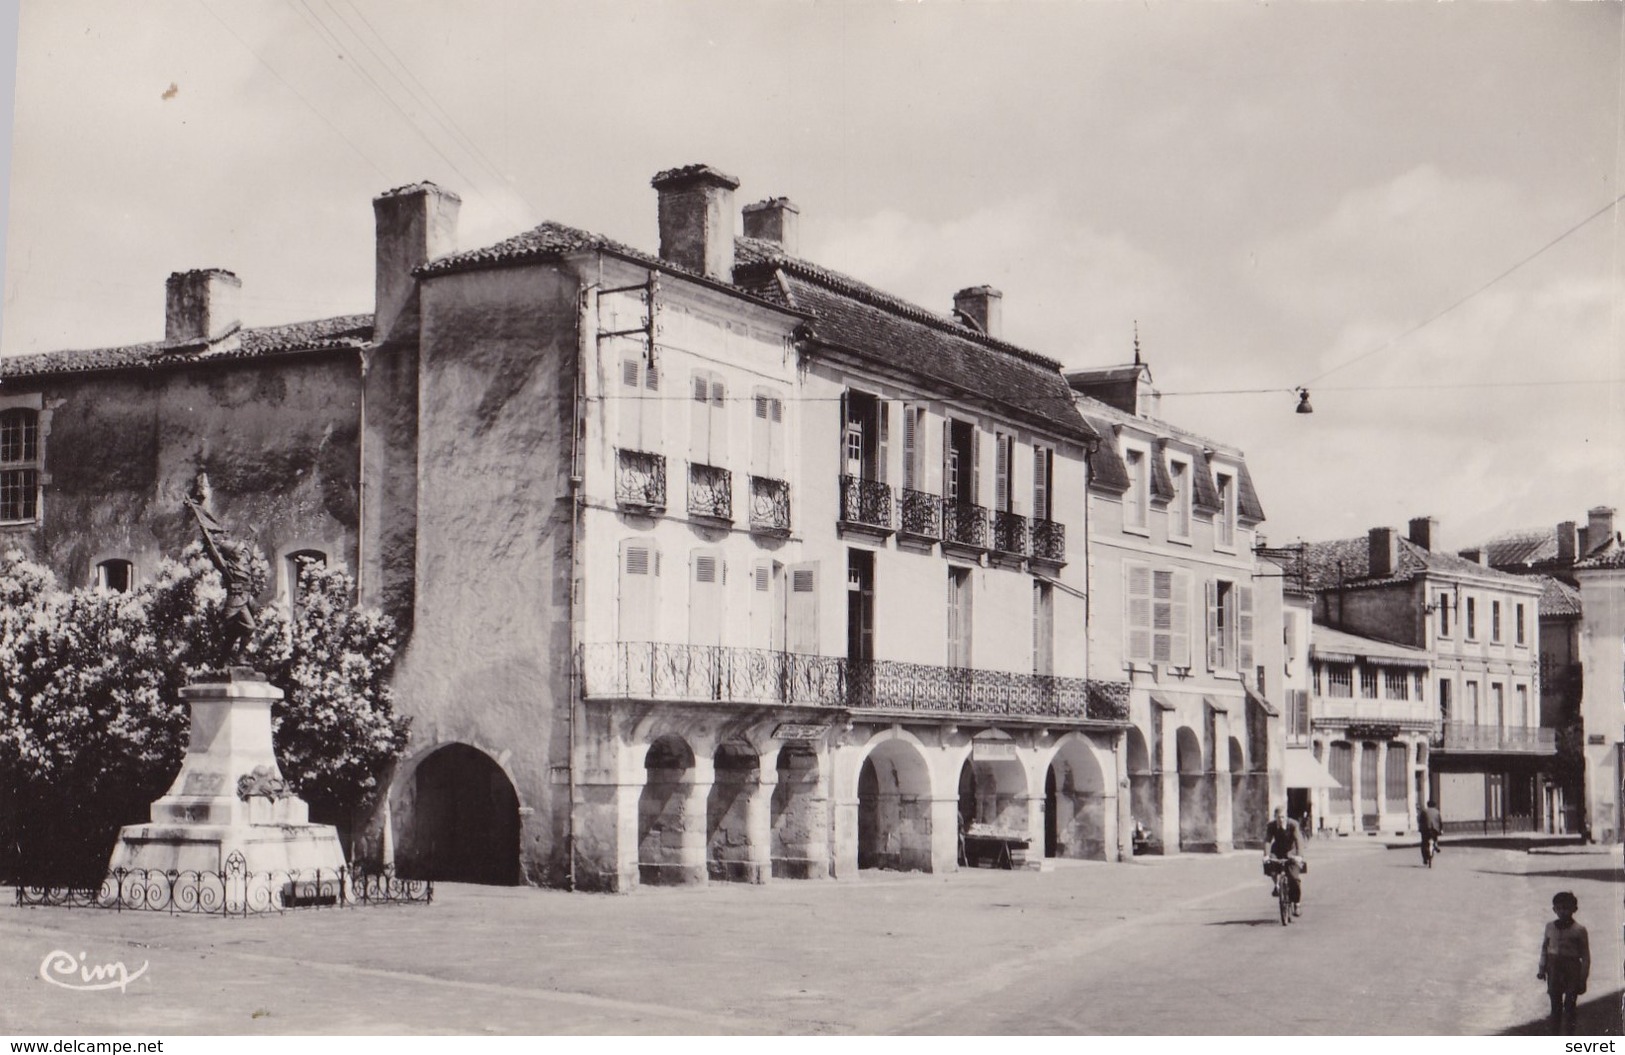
(1472, 738)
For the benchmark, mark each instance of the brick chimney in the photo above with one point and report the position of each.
(413, 225)
(201, 305)
(1599, 527)
(984, 306)
(1568, 542)
(1424, 531)
(775, 220)
(697, 219)
(1384, 552)
(1477, 555)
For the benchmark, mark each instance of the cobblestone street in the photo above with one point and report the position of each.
(1181, 945)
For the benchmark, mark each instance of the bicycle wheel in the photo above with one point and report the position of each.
(1286, 901)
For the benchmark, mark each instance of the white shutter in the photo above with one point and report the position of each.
(950, 485)
(1179, 610)
(1001, 472)
(766, 607)
(1162, 624)
(1041, 471)
(801, 609)
(629, 407)
(705, 602)
(910, 442)
(638, 591)
(1137, 612)
(975, 496)
(719, 423)
(699, 420)
(1244, 627)
(761, 438)
(1213, 645)
(882, 453)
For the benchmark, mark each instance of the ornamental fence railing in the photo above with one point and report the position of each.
(964, 524)
(922, 514)
(866, 502)
(1049, 541)
(233, 890)
(710, 492)
(1009, 532)
(769, 505)
(721, 674)
(1469, 736)
(640, 480)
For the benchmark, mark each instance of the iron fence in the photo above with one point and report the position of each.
(922, 514)
(233, 890)
(866, 502)
(1009, 532)
(1469, 736)
(964, 524)
(769, 505)
(640, 480)
(710, 492)
(715, 673)
(1049, 541)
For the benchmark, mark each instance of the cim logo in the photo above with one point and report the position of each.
(62, 969)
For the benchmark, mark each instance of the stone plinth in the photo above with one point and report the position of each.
(228, 796)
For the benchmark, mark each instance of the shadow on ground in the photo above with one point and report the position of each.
(1599, 1016)
(1601, 875)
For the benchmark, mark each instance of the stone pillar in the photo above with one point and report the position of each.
(1124, 842)
(844, 837)
(759, 822)
(1223, 817)
(1411, 804)
(1168, 768)
(1382, 782)
(944, 813)
(691, 858)
(1356, 784)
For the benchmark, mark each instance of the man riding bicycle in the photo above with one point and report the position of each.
(1283, 843)
(1431, 823)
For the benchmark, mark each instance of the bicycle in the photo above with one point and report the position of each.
(1430, 846)
(1275, 867)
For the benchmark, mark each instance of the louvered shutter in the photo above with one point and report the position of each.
(882, 454)
(705, 603)
(801, 609)
(699, 421)
(653, 412)
(950, 482)
(1001, 472)
(1179, 609)
(1214, 649)
(760, 437)
(975, 496)
(1137, 613)
(629, 407)
(1162, 625)
(1041, 471)
(1244, 627)
(719, 423)
(910, 469)
(638, 591)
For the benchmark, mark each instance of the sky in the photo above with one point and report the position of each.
(1278, 195)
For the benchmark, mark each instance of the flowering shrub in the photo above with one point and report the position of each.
(93, 728)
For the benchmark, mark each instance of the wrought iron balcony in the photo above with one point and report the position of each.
(640, 480)
(964, 524)
(769, 505)
(714, 673)
(1009, 532)
(710, 492)
(922, 514)
(1468, 736)
(1049, 541)
(866, 503)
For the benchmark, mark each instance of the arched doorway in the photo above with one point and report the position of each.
(1076, 814)
(1144, 790)
(799, 816)
(894, 809)
(465, 819)
(729, 853)
(1246, 826)
(993, 785)
(1196, 805)
(666, 832)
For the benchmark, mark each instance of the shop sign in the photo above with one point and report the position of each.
(993, 750)
(800, 731)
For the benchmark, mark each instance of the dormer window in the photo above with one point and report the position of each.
(1224, 522)
(1137, 499)
(1179, 507)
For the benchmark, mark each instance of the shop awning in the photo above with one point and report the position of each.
(1303, 770)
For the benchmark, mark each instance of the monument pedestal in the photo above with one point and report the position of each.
(229, 799)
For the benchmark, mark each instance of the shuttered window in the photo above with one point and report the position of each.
(708, 419)
(1004, 446)
(767, 434)
(639, 590)
(638, 408)
(1229, 626)
(959, 617)
(1043, 482)
(1043, 628)
(1158, 615)
(801, 609)
(707, 600)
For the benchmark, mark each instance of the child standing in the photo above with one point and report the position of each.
(1565, 961)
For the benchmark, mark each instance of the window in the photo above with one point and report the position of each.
(1340, 680)
(1004, 448)
(1518, 625)
(1495, 620)
(1043, 482)
(1043, 628)
(639, 405)
(639, 590)
(1523, 706)
(1472, 703)
(1395, 775)
(19, 464)
(1421, 686)
(1229, 626)
(707, 598)
(1297, 715)
(708, 420)
(914, 448)
(767, 454)
(865, 437)
(767, 605)
(1444, 699)
(1498, 704)
(1368, 683)
(1444, 614)
(801, 609)
(959, 617)
(960, 481)
(1158, 615)
(1137, 496)
(1289, 639)
(298, 576)
(860, 605)
(1472, 618)
(115, 575)
(1224, 524)
(1396, 684)
(1179, 508)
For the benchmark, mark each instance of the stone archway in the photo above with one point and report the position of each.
(894, 808)
(731, 853)
(1144, 789)
(1077, 806)
(993, 785)
(464, 820)
(799, 815)
(1196, 798)
(666, 830)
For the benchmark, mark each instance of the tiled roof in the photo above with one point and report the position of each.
(545, 241)
(248, 343)
(1347, 562)
(1327, 643)
(1527, 548)
(1107, 473)
(1557, 598)
(1611, 555)
(861, 320)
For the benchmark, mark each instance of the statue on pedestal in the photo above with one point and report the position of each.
(232, 558)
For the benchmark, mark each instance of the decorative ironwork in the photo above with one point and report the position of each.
(1467, 736)
(922, 514)
(710, 492)
(769, 505)
(713, 673)
(640, 480)
(866, 502)
(233, 890)
(1009, 532)
(1049, 541)
(964, 524)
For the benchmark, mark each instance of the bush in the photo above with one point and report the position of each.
(93, 728)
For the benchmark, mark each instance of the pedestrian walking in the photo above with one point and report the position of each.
(1565, 961)
(1430, 823)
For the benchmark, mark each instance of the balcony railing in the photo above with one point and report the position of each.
(769, 505)
(922, 514)
(866, 503)
(1409, 712)
(714, 673)
(640, 480)
(710, 492)
(964, 524)
(1009, 533)
(1049, 541)
(1468, 736)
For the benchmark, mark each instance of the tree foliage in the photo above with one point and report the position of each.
(93, 727)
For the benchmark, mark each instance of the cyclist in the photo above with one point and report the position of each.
(1283, 841)
(1431, 823)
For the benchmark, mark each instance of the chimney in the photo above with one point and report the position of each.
(983, 306)
(1476, 555)
(1384, 552)
(201, 305)
(697, 219)
(775, 220)
(1424, 531)
(1599, 527)
(1568, 542)
(413, 225)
